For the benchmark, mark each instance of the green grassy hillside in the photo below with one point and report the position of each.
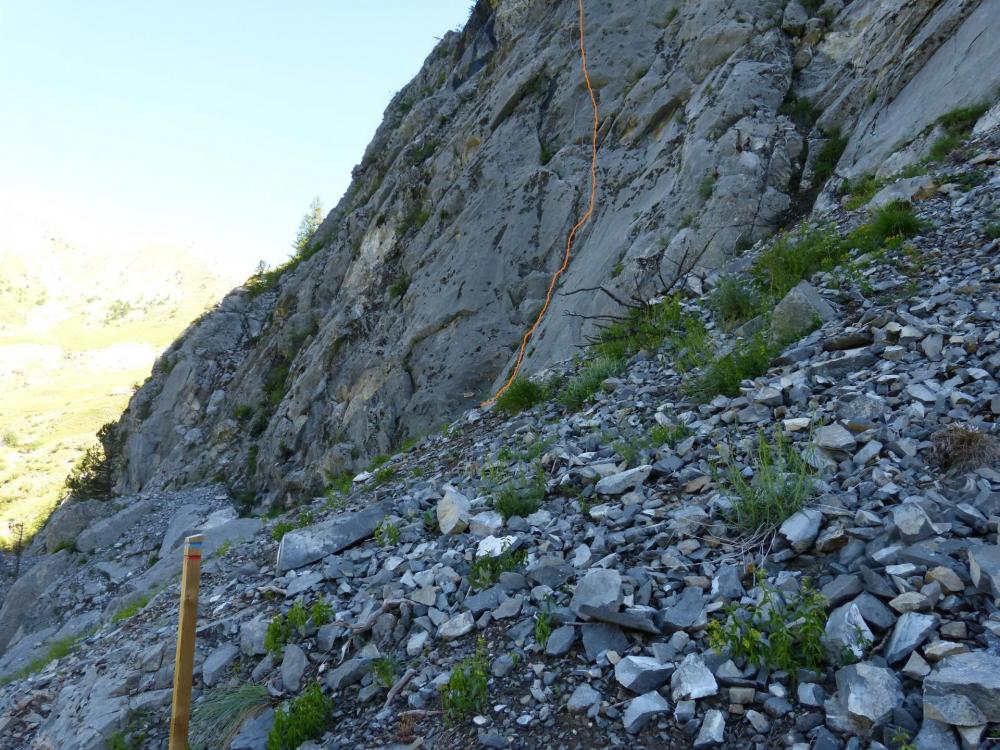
(79, 330)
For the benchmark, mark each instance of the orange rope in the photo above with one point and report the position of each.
(572, 232)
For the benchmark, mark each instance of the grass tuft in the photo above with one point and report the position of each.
(300, 720)
(217, 719)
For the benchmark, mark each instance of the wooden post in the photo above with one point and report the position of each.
(184, 660)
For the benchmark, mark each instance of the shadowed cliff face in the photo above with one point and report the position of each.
(426, 274)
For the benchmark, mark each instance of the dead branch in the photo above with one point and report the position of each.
(398, 687)
(369, 623)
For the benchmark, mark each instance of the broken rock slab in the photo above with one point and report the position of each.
(868, 693)
(799, 312)
(599, 588)
(964, 690)
(303, 546)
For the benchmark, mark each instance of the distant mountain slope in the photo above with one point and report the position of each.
(79, 329)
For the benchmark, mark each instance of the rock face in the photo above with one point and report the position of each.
(439, 254)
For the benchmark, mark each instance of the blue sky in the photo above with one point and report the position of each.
(210, 123)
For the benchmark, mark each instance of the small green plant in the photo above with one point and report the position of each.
(467, 690)
(385, 670)
(429, 519)
(519, 496)
(386, 533)
(131, 609)
(799, 110)
(485, 571)
(297, 617)
(320, 613)
(303, 719)
(56, 650)
(278, 633)
(662, 434)
(521, 395)
(779, 632)
(280, 529)
(223, 549)
(340, 484)
(782, 483)
(543, 627)
(957, 125)
(66, 544)
(217, 718)
(901, 740)
(892, 220)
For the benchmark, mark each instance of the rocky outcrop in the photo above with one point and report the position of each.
(430, 268)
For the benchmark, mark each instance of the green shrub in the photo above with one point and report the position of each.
(662, 434)
(383, 475)
(543, 627)
(274, 384)
(957, 125)
(992, 230)
(65, 544)
(943, 147)
(485, 571)
(340, 484)
(217, 718)
(93, 476)
(781, 485)
(777, 632)
(467, 691)
(303, 719)
(795, 257)
(522, 394)
(733, 301)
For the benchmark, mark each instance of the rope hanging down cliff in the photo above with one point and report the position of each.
(572, 232)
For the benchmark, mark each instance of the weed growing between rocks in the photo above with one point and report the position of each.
(781, 631)
(467, 689)
(964, 447)
(386, 533)
(485, 571)
(298, 721)
(131, 609)
(781, 485)
(320, 613)
(305, 518)
(385, 670)
(278, 633)
(956, 124)
(522, 394)
(733, 302)
(217, 718)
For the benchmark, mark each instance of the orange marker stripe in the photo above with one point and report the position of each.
(572, 233)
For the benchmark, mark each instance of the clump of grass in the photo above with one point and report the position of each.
(485, 571)
(383, 476)
(297, 617)
(800, 110)
(521, 395)
(131, 609)
(747, 359)
(587, 382)
(828, 156)
(298, 721)
(957, 125)
(305, 518)
(892, 220)
(543, 627)
(733, 302)
(781, 485)
(861, 190)
(706, 187)
(963, 447)
(56, 650)
(795, 257)
(778, 632)
(992, 230)
(399, 286)
(662, 434)
(217, 718)
(467, 690)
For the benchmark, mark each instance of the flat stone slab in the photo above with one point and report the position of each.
(627, 620)
(964, 690)
(303, 546)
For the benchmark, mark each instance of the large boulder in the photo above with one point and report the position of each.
(801, 310)
(303, 546)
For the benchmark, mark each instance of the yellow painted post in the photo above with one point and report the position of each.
(180, 713)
